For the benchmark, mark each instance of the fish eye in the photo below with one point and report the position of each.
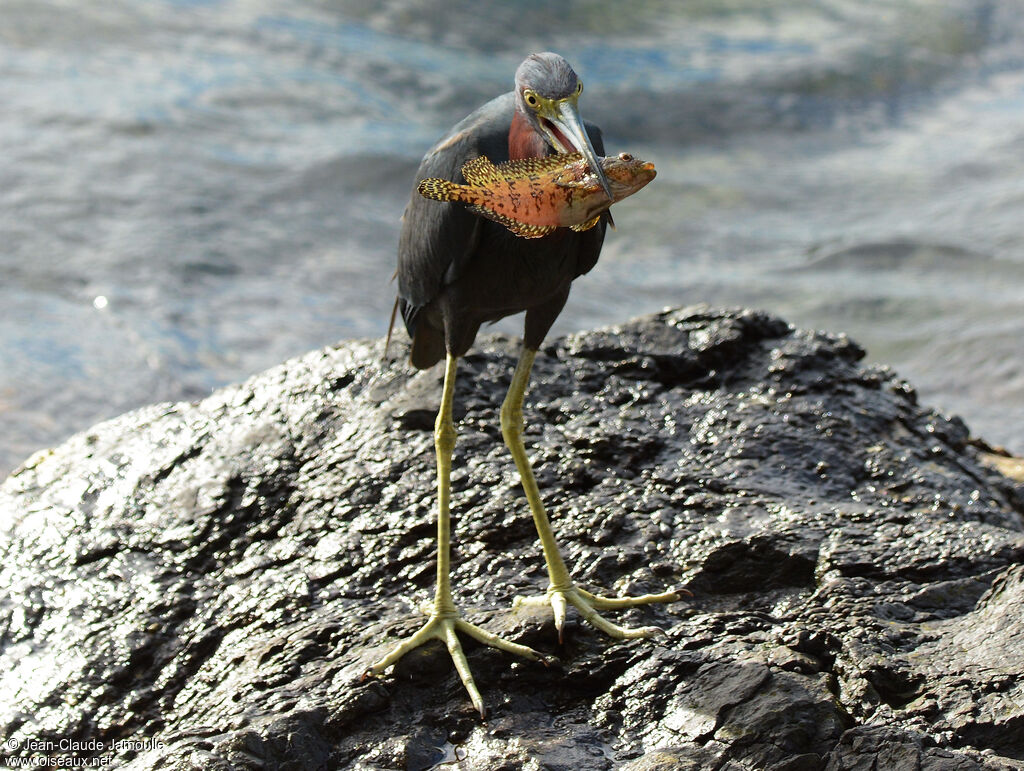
(625, 157)
(531, 99)
(579, 88)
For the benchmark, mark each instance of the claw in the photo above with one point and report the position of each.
(443, 627)
(588, 604)
(558, 606)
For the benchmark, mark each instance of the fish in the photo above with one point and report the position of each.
(532, 197)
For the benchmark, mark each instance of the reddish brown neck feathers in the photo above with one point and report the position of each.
(523, 141)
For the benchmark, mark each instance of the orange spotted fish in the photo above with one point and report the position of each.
(534, 196)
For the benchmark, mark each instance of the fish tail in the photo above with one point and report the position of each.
(441, 190)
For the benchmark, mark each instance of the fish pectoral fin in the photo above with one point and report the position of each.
(586, 225)
(481, 172)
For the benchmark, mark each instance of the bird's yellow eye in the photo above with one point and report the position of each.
(531, 99)
(579, 88)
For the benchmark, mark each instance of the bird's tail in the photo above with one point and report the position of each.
(444, 190)
(391, 328)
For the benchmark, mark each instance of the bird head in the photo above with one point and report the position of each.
(547, 92)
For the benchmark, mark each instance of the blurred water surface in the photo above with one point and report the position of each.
(193, 191)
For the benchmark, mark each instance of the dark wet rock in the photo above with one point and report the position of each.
(215, 576)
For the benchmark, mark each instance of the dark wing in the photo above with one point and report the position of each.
(438, 239)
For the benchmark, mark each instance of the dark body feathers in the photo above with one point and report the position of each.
(457, 270)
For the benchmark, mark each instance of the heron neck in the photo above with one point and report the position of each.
(523, 141)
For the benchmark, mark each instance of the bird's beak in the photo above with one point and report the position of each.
(566, 119)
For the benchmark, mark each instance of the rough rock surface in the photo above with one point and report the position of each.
(215, 576)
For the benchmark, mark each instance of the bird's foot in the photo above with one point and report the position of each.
(444, 626)
(589, 604)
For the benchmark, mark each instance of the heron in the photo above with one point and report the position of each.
(457, 271)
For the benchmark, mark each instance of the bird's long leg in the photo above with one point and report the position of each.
(444, 620)
(561, 591)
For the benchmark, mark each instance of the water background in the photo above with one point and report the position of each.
(193, 191)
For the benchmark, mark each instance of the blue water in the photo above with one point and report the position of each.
(191, 192)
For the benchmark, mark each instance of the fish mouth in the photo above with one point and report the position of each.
(626, 182)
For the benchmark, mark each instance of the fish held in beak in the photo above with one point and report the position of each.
(564, 125)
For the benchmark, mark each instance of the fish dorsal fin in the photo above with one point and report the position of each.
(481, 172)
(524, 167)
